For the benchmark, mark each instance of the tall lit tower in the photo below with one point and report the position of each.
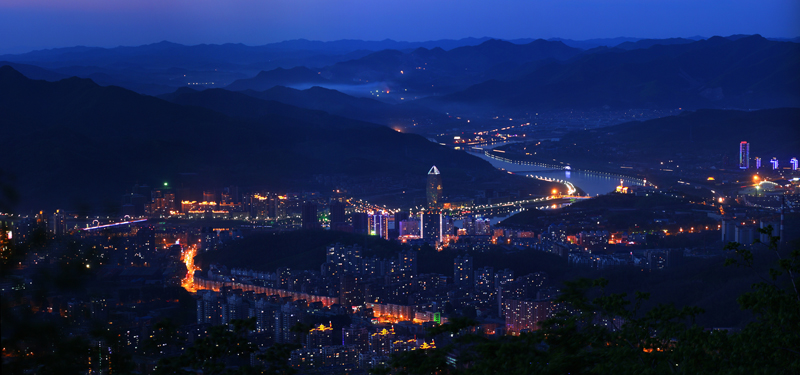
(774, 163)
(744, 155)
(793, 162)
(434, 190)
(758, 162)
(379, 225)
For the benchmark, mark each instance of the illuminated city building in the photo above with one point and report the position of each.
(744, 155)
(356, 336)
(319, 337)
(230, 195)
(380, 343)
(432, 226)
(484, 278)
(407, 264)
(774, 163)
(434, 188)
(462, 270)
(57, 224)
(525, 315)
(265, 205)
(758, 162)
(379, 225)
(285, 319)
(399, 216)
(409, 227)
(162, 202)
(350, 290)
(344, 259)
(342, 358)
(793, 161)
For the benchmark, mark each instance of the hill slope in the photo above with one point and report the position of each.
(74, 144)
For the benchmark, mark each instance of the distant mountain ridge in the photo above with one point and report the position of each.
(423, 70)
(278, 77)
(747, 72)
(160, 68)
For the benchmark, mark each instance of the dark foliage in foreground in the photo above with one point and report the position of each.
(662, 340)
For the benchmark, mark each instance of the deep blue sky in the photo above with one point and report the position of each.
(29, 24)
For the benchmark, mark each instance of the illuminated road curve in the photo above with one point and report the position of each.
(205, 284)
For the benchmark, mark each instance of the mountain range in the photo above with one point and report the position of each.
(73, 144)
(738, 71)
(748, 72)
(420, 71)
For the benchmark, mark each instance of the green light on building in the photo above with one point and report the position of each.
(437, 317)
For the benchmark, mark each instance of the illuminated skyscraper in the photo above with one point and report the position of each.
(379, 225)
(744, 155)
(432, 226)
(434, 189)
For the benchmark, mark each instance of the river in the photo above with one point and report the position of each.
(592, 183)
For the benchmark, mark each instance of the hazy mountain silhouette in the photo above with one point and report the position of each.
(341, 104)
(591, 43)
(749, 72)
(73, 144)
(347, 45)
(647, 43)
(278, 77)
(424, 71)
(35, 72)
(160, 68)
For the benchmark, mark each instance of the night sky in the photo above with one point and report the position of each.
(29, 24)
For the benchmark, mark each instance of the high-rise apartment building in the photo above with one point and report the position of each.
(744, 155)
(462, 270)
(432, 226)
(379, 225)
